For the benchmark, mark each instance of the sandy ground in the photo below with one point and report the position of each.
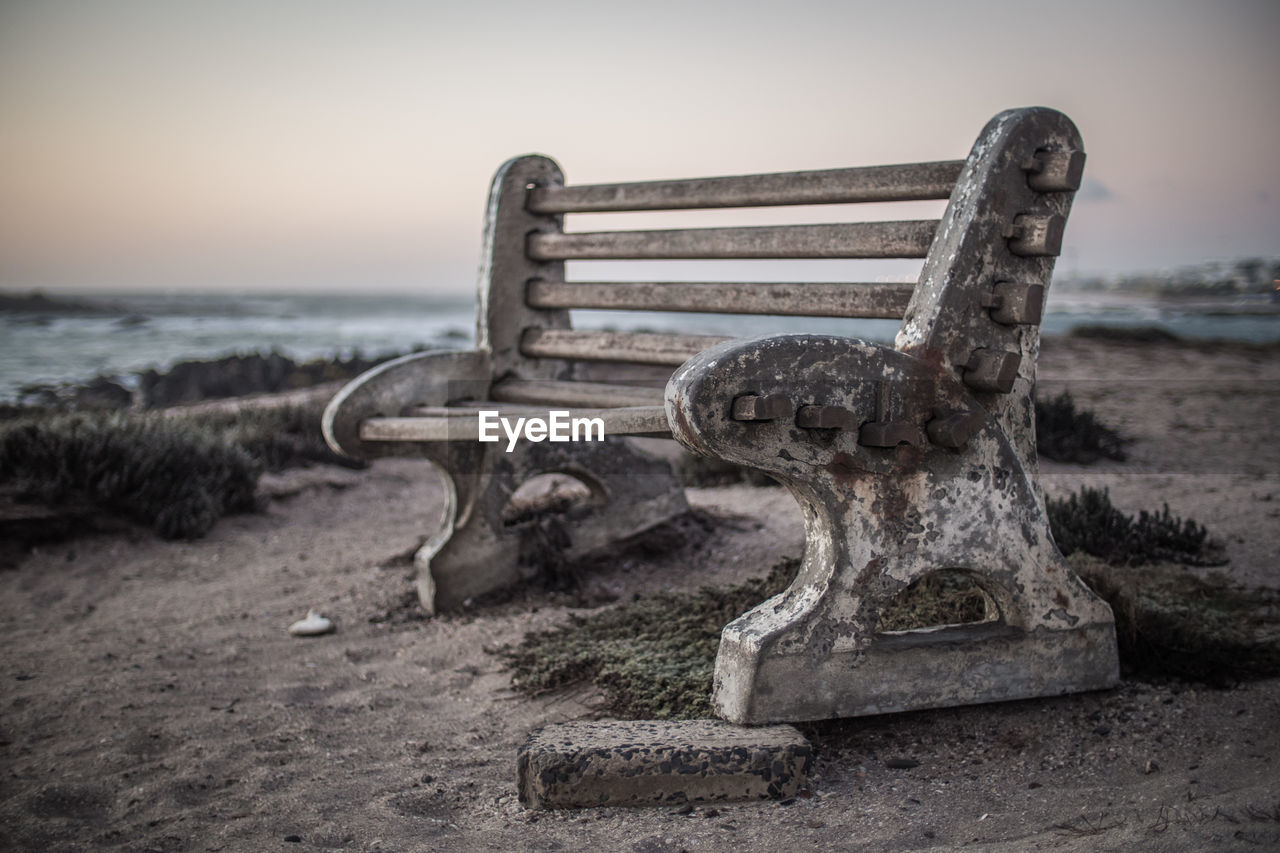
(154, 700)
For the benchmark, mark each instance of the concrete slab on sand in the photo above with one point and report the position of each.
(658, 763)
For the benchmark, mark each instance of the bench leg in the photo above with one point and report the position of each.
(474, 551)
(877, 519)
(478, 552)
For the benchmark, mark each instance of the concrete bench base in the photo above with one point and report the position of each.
(649, 763)
(930, 668)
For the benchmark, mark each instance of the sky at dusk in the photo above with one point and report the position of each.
(157, 144)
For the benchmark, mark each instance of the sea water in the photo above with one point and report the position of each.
(138, 332)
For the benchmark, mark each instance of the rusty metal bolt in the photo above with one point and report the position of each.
(1014, 303)
(954, 429)
(753, 407)
(1055, 171)
(992, 370)
(826, 417)
(1036, 235)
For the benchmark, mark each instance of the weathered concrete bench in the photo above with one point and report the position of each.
(905, 460)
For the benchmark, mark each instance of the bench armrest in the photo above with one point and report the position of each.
(801, 407)
(419, 379)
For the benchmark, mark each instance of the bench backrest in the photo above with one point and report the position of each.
(975, 308)
(525, 298)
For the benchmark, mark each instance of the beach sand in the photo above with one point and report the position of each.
(155, 701)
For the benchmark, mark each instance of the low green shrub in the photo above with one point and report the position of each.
(1088, 522)
(1125, 334)
(161, 472)
(1067, 434)
(278, 437)
(1173, 624)
(177, 473)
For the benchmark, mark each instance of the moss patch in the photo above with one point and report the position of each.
(948, 597)
(651, 658)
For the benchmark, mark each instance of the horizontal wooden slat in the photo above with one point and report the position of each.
(419, 429)
(801, 299)
(631, 347)
(575, 393)
(901, 239)
(906, 182)
(467, 409)
(441, 424)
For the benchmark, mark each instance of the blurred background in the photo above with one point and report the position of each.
(215, 160)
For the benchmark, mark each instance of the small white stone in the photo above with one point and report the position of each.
(313, 626)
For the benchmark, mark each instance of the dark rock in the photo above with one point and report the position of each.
(102, 393)
(240, 375)
(36, 302)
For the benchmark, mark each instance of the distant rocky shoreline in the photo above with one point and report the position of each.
(273, 372)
